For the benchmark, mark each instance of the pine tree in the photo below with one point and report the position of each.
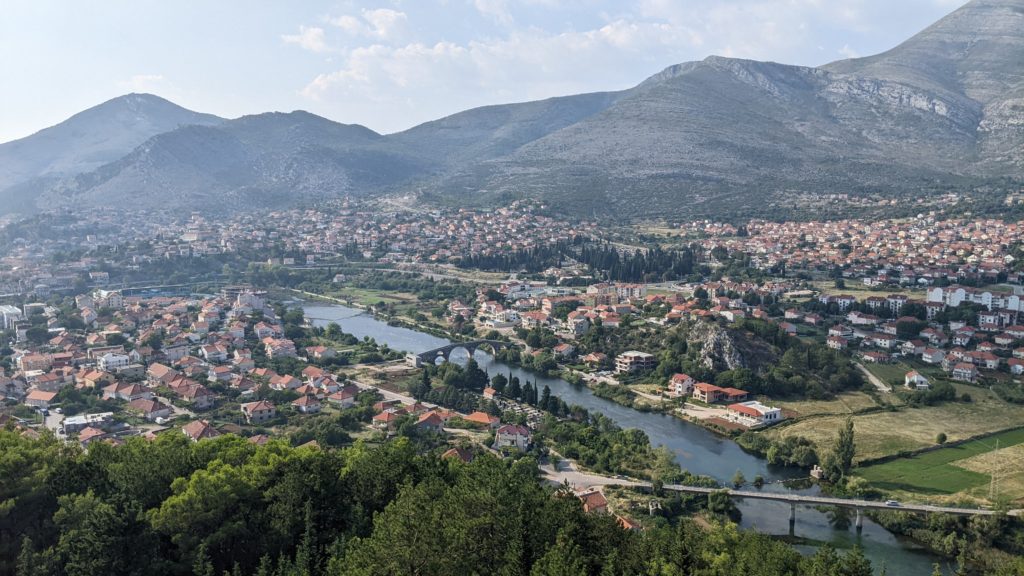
(203, 566)
(545, 398)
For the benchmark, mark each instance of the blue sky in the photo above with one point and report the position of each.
(391, 64)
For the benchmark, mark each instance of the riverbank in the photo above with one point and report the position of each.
(693, 447)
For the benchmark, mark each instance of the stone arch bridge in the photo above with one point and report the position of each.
(431, 356)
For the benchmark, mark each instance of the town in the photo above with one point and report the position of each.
(775, 334)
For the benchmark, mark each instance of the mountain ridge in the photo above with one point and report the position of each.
(943, 110)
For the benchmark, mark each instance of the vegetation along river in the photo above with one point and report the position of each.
(697, 450)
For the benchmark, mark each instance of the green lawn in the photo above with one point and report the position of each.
(935, 473)
(889, 373)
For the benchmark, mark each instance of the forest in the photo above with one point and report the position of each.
(226, 507)
(601, 259)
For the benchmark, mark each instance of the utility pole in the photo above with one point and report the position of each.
(993, 489)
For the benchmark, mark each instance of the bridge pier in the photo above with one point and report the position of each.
(860, 520)
(792, 514)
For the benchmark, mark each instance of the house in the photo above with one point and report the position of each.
(90, 434)
(386, 420)
(220, 374)
(1016, 366)
(837, 343)
(430, 421)
(932, 356)
(564, 350)
(320, 352)
(490, 393)
(126, 392)
(111, 362)
(634, 361)
(681, 385)
(259, 411)
(733, 395)
(915, 381)
(964, 372)
(483, 419)
(875, 357)
(307, 404)
(464, 454)
(595, 359)
(195, 394)
(150, 409)
(40, 398)
(708, 393)
(345, 397)
(512, 436)
(753, 413)
(788, 328)
(199, 430)
(593, 501)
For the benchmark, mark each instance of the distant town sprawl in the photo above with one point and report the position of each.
(94, 248)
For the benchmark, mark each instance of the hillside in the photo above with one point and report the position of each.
(943, 111)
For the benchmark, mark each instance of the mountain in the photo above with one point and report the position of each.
(92, 138)
(943, 111)
(272, 159)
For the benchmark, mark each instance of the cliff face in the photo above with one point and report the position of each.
(720, 349)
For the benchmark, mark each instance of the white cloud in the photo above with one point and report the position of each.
(308, 38)
(496, 10)
(395, 75)
(379, 23)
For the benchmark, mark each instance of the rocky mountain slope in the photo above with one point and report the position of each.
(92, 138)
(942, 111)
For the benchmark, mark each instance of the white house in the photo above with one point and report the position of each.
(110, 362)
(752, 413)
(681, 385)
(512, 435)
(916, 381)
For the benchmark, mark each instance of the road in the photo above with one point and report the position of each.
(882, 387)
(567, 472)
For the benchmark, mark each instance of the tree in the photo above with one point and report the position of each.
(738, 479)
(940, 438)
(854, 563)
(563, 559)
(838, 463)
(498, 382)
(825, 562)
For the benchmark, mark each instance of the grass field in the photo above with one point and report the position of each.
(889, 373)
(944, 472)
(1006, 463)
(884, 433)
(371, 297)
(846, 403)
(860, 292)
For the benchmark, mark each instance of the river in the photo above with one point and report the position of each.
(696, 449)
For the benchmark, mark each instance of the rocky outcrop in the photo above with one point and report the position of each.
(719, 348)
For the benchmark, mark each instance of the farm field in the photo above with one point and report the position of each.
(885, 433)
(1006, 463)
(957, 469)
(846, 403)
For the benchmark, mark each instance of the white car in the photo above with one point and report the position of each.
(891, 503)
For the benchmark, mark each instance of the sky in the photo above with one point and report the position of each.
(392, 64)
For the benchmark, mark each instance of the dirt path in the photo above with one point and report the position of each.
(882, 387)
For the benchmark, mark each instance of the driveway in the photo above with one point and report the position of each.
(882, 387)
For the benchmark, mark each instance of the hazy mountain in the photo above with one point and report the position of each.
(93, 137)
(271, 159)
(944, 110)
